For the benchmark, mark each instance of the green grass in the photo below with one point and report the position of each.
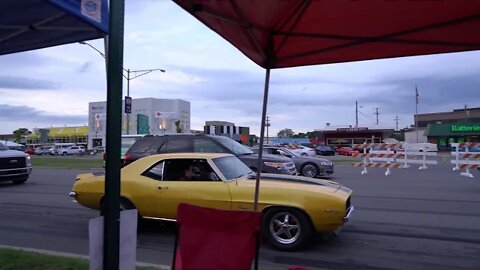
(68, 162)
(25, 260)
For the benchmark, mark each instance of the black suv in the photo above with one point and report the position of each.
(191, 143)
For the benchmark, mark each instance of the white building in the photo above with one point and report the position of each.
(149, 116)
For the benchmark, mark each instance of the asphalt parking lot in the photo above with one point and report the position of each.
(409, 220)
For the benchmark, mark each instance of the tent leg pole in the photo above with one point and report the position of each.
(262, 136)
(111, 237)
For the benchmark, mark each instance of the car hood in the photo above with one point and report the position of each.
(266, 157)
(12, 153)
(298, 182)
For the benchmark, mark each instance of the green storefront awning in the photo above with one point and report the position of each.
(452, 130)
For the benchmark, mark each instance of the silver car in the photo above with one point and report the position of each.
(306, 166)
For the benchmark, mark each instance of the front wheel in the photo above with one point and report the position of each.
(286, 228)
(20, 180)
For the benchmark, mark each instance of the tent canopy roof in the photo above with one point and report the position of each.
(34, 24)
(289, 33)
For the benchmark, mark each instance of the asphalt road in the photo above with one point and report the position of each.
(409, 220)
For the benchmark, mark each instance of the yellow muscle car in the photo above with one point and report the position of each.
(293, 207)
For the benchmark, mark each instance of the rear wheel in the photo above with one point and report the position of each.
(304, 154)
(309, 170)
(286, 228)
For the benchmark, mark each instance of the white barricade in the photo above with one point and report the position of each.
(465, 160)
(391, 156)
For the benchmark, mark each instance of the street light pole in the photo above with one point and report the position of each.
(128, 78)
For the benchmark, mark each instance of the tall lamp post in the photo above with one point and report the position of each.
(128, 77)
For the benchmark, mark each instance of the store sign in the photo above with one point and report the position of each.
(353, 129)
(465, 128)
(166, 115)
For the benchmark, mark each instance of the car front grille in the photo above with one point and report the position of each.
(12, 163)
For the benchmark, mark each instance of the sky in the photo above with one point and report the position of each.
(53, 86)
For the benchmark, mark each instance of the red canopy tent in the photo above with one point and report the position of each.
(288, 33)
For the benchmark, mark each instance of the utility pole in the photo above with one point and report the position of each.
(396, 122)
(267, 124)
(466, 114)
(356, 114)
(377, 113)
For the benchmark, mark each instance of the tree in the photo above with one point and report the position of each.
(179, 128)
(19, 133)
(285, 133)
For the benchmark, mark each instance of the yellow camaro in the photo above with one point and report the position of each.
(293, 207)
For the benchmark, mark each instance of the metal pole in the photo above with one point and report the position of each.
(262, 135)
(416, 112)
(128, 95)
(111, 202)
(356, 114)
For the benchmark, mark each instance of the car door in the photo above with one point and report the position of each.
(200, 191)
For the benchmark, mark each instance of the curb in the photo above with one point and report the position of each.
(72, 255)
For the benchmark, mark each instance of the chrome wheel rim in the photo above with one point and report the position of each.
(285, 228)
(309, 171)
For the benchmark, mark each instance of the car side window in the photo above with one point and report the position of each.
(176, 146)
(189, 170)
(206, 146)
(275, 152)
(155, 172)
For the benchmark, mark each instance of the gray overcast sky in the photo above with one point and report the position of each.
(52, 87)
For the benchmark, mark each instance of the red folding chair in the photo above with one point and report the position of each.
(216, 239)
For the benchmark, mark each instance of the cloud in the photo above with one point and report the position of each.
(33, 115)
(17, 82)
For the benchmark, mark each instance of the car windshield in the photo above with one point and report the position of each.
(232, 167)
(235, 147)
(347, 148)
(3, 147)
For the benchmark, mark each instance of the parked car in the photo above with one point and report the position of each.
(30, 151)
(301, 150)
(72, 150)
(15, 166)
(325, 150)
(42, 150)
(188, 143)
(346, 151)
(306, 166)
(293, 207)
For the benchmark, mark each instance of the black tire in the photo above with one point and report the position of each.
(309, 170)
(20, 181)
(125, 204)
(298, 237)
(253, 169)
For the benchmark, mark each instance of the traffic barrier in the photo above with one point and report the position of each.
(463, 160)
(396, 154)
